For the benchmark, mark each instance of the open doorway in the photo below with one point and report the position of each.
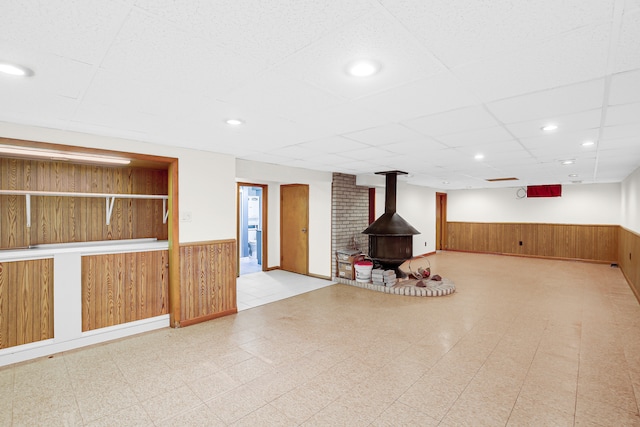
(251, 231)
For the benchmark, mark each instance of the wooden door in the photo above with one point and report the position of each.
(294, 228)
(441, 221)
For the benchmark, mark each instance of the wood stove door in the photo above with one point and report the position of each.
(294, 226)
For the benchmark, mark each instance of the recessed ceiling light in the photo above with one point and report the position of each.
(573, 175)
(445, 182)
(234, 122)
(549, 128)
(15, 69)
(588, 143)
(363, 68)
(567, 162)
(479, 156)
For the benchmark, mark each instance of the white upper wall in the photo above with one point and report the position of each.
(630, 205)
(579, 204)
(319, 209)
(206, 180)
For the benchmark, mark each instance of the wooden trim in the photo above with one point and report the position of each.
(175, 316)
(207, 242)
(372, 205)
(532, 223)
(319, 276)
(630, 283)
(628, 254)
(139, 160)
(424, 254)
(588, 261)
(201, 319)
(276, 267)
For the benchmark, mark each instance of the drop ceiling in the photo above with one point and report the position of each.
(458, 78)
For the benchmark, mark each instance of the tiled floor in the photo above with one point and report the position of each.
(265, 287)
(523, 342)
(249, 265)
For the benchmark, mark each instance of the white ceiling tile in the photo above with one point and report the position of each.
(344, 118)
(146, 48)
(561, 139)
(375, 37)
(621, 131)
(453, 122)
(334, 145)
(78, 30)
(435, 94)
(622, 114)
(631, 5)
(369, 153)
(619, 144)
(286, 97)
(416, 147)
(626, 53)
(569, 123)
(625, 88)
(53, 74)
(548, 103)
(495, 150)
(383, 135)
(460, 31)
(476, 137)
(573, 57)
(267, 31)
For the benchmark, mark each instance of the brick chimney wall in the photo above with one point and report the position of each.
(349, 216)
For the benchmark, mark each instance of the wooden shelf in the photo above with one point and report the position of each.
(109, 199)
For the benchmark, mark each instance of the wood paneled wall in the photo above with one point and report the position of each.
(26, 302)
(78, 219)
(629, 258)
(208, 280)
(564, 241)
(124, 287)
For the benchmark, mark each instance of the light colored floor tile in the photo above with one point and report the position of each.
(171, 403)
(511, 346)
(236, 404)
(132, 416)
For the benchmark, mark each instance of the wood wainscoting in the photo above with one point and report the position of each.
(598, 243)
(26, 301)
(56, 219)
(124, 287)
(207, 280)
(629, 258)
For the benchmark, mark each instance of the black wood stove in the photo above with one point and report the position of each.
(390, 236)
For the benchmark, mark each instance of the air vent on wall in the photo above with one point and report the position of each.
(501, 179)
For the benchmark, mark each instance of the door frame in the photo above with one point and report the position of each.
(441, 221)
(265, 222)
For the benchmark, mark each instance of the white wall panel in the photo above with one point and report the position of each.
(579, 204)
(630, 195)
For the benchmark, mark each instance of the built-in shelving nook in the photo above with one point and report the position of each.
(88, 251)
